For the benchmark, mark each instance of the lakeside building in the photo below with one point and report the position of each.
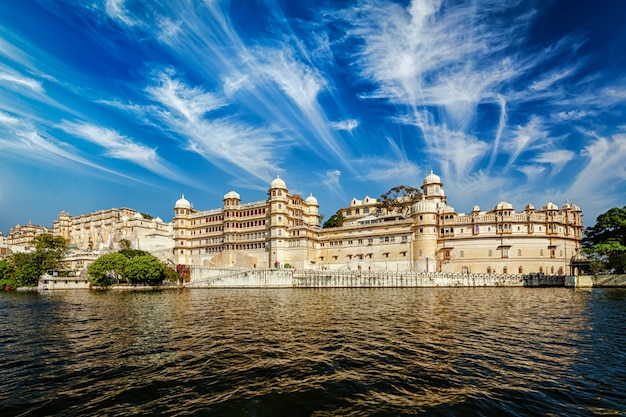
(283, 231)
(20, 237)
(103, 230)
(4, 246)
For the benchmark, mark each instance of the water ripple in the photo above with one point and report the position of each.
(327, 352)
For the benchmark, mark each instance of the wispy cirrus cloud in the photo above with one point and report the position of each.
(32, 146)
(116, 10)
(348, 125)
(186, 112)
(118, 146)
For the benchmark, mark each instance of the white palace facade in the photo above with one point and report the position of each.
(283, 231)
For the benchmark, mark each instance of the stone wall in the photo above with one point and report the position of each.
(203, 277)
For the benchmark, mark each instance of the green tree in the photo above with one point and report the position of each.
(7, 275)
(336, 220)
(49, 251)
(399, 199)
(125, 244)
(130, 253)
(605, 242)
(27, 269)
(106, 267)
(144, 269)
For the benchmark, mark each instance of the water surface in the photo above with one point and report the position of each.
(315, 352)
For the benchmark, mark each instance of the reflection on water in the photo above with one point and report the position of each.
(355, 352)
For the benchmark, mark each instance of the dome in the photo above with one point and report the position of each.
(432, 178)
(550, 206)
(503, 205)
(182, 203)
(579, 258)
(476, 209)
(425, 206)
(137, 216)
(530, 207)
(311, 200)
(447, 209)
(232, 194)
(158, 220)
(278, 183)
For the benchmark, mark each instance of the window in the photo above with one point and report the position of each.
(462, 254)
(489, 270)
(419, 252)
(366, 211)
(540, 252)
(519, 252)
(505, 270)
(505, 252)
(489, 253)
(520, 270)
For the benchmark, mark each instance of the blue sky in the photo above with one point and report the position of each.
(124, 103)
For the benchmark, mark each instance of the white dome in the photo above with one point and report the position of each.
(182, 203)
(447, 209)
(425, 206)
(476, 208)
(432, 178)
(278, 183)
(137, 216)
(530, 207)
(503, 205)
(232, 194)
(159, 220)
(550, 206)
(311, 200)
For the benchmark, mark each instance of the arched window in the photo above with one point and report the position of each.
(462, 254)
(520, 270)
(541, 269)
(519, 252)
(489, 253)
(505, 270)
(489, 270)
(552, 270)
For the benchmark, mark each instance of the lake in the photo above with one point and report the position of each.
(314, 352)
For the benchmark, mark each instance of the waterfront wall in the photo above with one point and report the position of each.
(210, 277)
(588, 281)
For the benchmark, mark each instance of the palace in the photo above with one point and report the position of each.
(102, 231)
(283, 231)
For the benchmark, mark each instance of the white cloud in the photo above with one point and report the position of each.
(119, 147)
(331, 180)
(524, 138)
(556, 158)
(185, 111)
(115, 10)
(31, 146)
(348, 125)
(17, 81)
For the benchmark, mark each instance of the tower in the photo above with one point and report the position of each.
(278, 221)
